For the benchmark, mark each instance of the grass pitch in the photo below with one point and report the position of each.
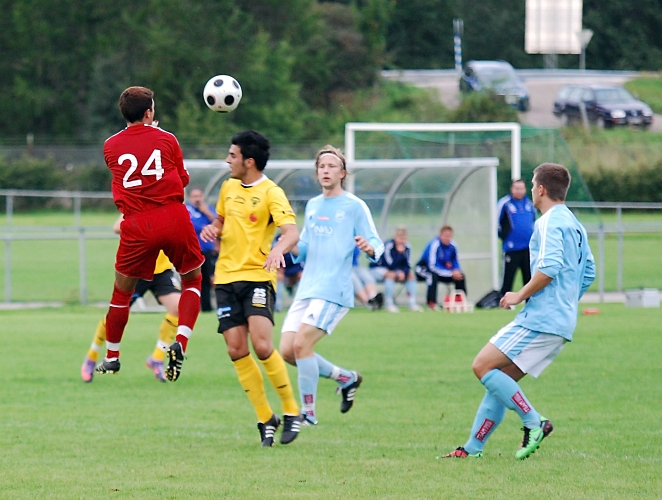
(129, 436)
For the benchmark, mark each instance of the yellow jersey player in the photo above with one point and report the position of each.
(250, 208)
(166, 287)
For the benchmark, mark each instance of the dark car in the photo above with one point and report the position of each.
(605, 106)
(498, 77)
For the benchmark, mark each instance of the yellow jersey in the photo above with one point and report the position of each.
(162, 263)
(252, 214)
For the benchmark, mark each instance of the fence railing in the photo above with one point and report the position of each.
(10, 233)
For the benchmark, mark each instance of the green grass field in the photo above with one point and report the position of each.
(129, 436)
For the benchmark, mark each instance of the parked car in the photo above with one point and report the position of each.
(606, 106)
(498, 77)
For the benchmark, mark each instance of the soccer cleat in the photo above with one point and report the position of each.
(87, 370)
(349, 392)
(268, 430)
(157, 368)
(461, 453)
(175, 359)
(291, 427)
(392, 308)
(415, 308)
(308, 420)
(108, 366)
(533, 438)
(433, 307)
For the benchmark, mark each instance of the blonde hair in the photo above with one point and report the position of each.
(330, 150)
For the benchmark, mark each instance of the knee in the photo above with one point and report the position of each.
(263, 348)
(287, 354)
(479, 368)
(237, 352)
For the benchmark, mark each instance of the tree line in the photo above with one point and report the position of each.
(305, 66)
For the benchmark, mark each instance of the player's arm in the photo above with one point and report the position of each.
(538, 281)
(589, 272)
(179, 162)
(288, 239)
(118, 224)
(213, 231)
(367, 239)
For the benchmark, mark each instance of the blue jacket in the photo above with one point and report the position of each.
(516, 220)
(439, 258)
(393, 260)
(199, 221)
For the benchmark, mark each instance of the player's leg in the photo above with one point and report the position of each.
(233, 325)
(431, 280)
(167, 293)
(116, 320)
(207, 271)
(509, 270)
(183, 250)
(307, 368)
(87, 369)
(510, 354)
(525, 266)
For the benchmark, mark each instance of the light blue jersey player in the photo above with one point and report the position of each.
(562, 269)
(335, 223)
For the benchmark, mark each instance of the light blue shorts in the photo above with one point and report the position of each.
(529, 350)
(319, 313)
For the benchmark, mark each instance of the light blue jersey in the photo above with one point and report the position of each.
(559, 249)
(327, 245)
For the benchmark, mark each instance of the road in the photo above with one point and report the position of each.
(543, 85)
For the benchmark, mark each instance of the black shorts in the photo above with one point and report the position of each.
(237, 301)
(163, 284)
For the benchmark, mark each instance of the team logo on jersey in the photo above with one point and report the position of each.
(223, 312)
(340, 215)
(255, 200)
(323, 230)
(253, 217)
(259, 297)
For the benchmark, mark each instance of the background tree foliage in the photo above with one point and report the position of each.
(304, 65)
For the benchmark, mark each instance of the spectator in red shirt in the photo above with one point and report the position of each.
(148, 183)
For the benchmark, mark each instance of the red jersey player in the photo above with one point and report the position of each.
(148, 188)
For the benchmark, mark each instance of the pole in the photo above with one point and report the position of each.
(7, 269)
(82, 267)
(458, 31)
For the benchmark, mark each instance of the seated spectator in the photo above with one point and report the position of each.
(439, 263)
(393, 267)
(365, 287)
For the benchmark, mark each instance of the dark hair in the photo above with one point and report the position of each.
(254, 145)
(134, 101)
(446, 228)
(555, 178)
(516, 181)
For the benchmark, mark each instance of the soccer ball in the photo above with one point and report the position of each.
(222, 94)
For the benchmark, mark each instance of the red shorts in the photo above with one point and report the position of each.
(168, 228)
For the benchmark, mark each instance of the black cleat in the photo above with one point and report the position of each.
(175, 359)
(111, 366)
(268, 430)
(291, 428)
(349, 392)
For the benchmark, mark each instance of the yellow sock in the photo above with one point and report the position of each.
(167, 334)
(250, 378)
(99, 339)
(277, 373)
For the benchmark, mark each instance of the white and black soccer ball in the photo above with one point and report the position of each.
(222, 94)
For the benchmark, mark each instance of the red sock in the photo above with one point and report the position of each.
(116, 319)
(189, 307)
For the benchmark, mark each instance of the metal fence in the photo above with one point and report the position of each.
(597, 226)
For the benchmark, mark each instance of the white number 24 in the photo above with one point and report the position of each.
(154, 160)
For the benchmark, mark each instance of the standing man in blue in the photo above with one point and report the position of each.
(563, 268)
(335, 222)
(516, 218)
(439, 263)
(202, 215)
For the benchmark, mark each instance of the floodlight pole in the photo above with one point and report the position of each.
(584, 39)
